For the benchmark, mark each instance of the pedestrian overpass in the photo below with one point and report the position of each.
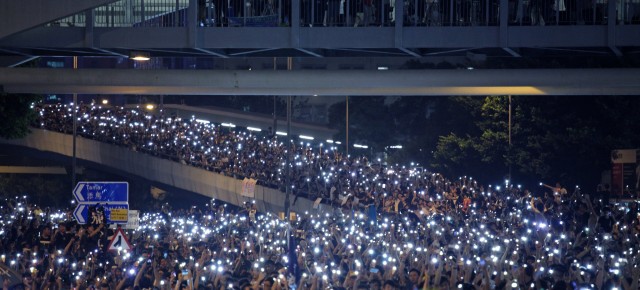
(479, 30)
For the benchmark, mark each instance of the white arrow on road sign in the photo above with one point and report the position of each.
(78, 213)
(78, 192)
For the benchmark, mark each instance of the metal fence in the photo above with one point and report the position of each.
(355, 13)
(133, 13)
(559, 12)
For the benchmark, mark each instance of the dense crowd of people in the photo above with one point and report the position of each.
(499, 239)
(318, 171)
(392, 228)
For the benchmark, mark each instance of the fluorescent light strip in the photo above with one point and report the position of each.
(329, 141)
(141, 58)
(228, 125)
(254, 129)
(360, 146)
(281, 133)
(306, 137)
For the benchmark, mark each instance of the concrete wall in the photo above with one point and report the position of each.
(159, 170)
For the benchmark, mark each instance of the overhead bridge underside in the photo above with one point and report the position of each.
(313, 82)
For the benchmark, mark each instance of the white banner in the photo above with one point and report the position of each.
(134, 220)
(132, 223)
(249, 187)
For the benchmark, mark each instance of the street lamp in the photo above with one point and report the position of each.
(509, 136)
(140, 56)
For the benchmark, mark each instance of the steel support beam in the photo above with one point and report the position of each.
(14, 61)
(257, 38)
(17, 16)
(312, 82)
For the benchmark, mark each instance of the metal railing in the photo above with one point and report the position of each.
(133, 13)
(559, 12)
(355, 13)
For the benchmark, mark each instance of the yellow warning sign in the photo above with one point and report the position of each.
(119, 215)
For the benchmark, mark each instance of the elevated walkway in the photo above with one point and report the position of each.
(161, 171)
(182, 28)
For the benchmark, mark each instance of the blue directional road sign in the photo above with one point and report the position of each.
(102, 192)
(112, 196)
(113, 213)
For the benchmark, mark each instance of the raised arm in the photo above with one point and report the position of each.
(69, 244)
(96, 231)
(139, 275)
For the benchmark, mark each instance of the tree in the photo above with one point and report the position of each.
(554, 138)
(466, 145)
(559, 138)
(17, 114)
(414, 122)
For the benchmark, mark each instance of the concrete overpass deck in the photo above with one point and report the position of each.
(158, 170)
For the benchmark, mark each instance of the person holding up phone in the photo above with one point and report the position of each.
(183, 282)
